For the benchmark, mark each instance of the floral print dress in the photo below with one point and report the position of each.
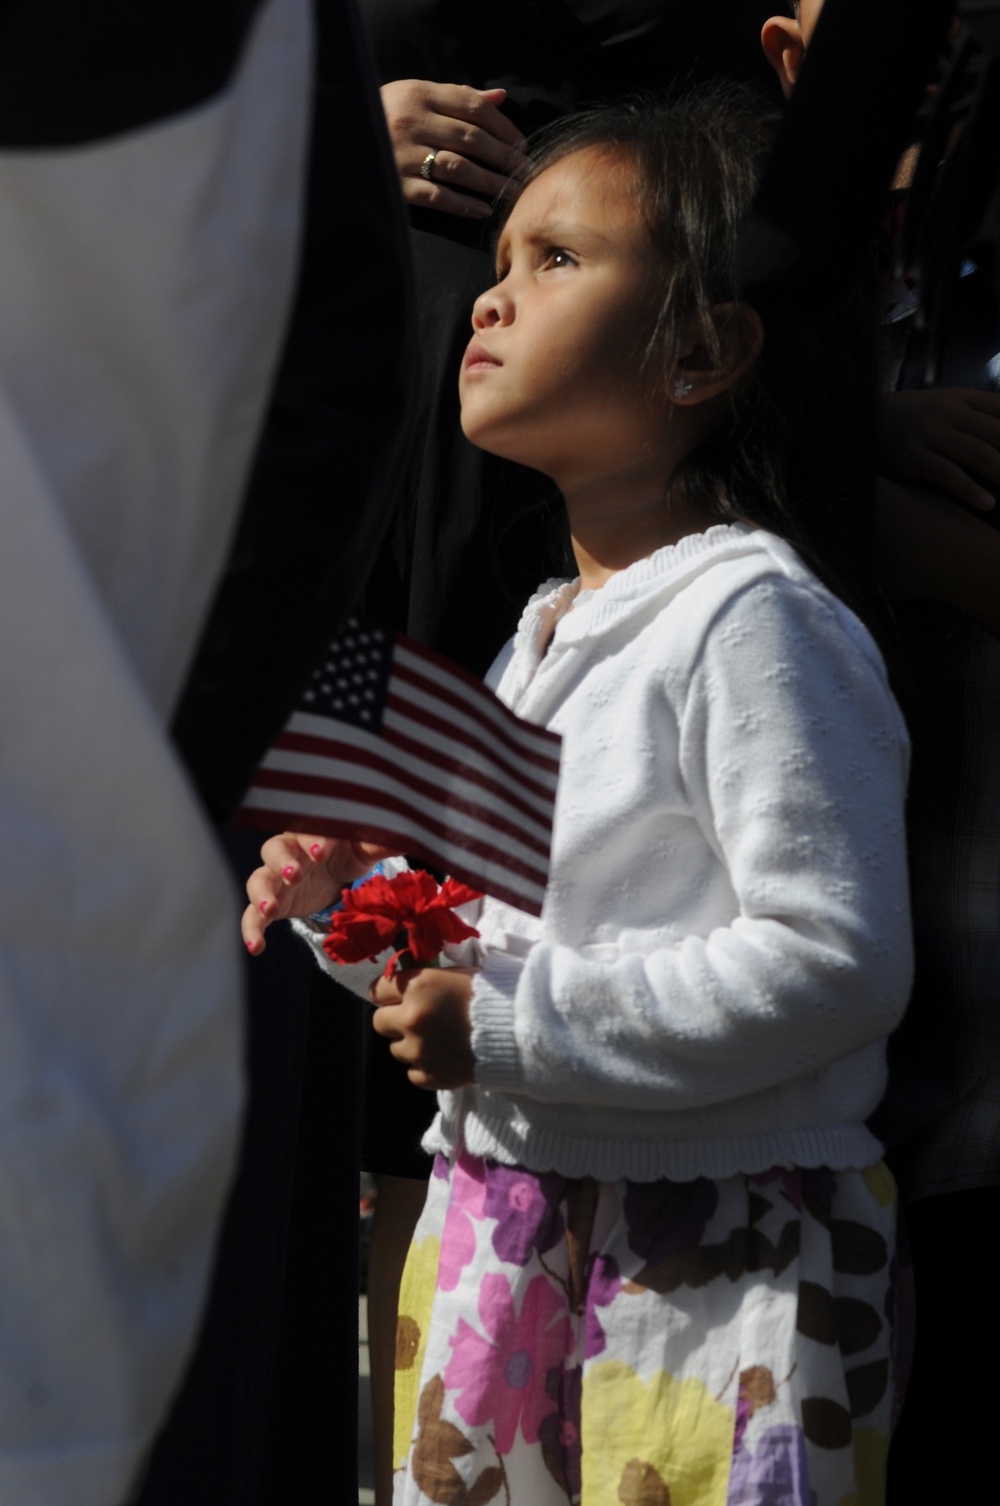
(709, 1343)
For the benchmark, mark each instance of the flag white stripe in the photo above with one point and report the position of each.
(332, 763)
(395, 722)
(491, 873)
(464, 735)
(285, 760)
(485, 704)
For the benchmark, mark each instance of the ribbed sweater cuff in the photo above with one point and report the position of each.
(494, 1045)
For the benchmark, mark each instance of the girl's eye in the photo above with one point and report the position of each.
(557, 256)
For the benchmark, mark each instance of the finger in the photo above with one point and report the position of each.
(469, 140)
(252, 927)
(975, 426)
(385, 1020)
(477, 108)
(421, 1079)
(284, 855)
(983, 402)
(433, 196)
(972, 454)
(950, 478)
(449, 170)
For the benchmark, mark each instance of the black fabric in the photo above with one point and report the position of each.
(822, 196)
(943, 1447)
(928, 1061)
(268, 1410)
(74, 71)
(333, 444)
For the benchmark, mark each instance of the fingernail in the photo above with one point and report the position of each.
(288, 871)
(315, 849)
(263, 907)
(250, 947)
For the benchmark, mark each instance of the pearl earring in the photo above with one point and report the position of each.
(682, 388)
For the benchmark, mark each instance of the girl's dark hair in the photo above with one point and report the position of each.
(795, 451)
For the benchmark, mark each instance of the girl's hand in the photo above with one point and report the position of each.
(937, 438)
(478, 149)
(424, 1012)
(300, 875)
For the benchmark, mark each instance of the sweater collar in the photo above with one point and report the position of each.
(560, 608)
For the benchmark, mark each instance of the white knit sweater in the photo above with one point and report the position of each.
(725, 942)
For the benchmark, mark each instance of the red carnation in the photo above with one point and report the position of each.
(410, 911)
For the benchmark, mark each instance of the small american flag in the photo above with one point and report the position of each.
(393, 744)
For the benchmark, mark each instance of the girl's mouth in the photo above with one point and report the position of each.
(478, 358)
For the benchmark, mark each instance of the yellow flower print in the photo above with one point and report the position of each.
(663, 1440)
(871, 1457)
(416, 1298)
(881, 1184)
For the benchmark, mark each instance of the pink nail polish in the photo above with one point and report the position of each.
(250, 947)
(288, 871)
(315, 849)
(263, 906)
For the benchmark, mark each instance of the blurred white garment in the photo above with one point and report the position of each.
(146, 282)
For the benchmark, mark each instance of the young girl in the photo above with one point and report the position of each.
(656, 1262)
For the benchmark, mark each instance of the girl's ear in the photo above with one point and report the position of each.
(784, 47)
(709, 364)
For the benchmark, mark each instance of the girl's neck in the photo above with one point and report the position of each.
(617, 520)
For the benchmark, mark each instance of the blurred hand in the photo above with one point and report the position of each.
(948, 438)
(930, 549)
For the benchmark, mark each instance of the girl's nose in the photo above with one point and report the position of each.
(490, 308)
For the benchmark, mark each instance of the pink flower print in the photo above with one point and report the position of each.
(526, 1206)
(501, 1378)
(465, 1210)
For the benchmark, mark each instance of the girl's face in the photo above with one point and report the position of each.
(552, 376)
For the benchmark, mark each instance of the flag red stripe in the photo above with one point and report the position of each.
(342, 789)
(476, 694)
(439, 793)
(424, 717)
(397, 738)
(485, 879)
(365, 749)
(526, 745)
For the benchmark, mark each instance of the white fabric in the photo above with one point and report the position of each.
(725, 941)
(146, 285)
